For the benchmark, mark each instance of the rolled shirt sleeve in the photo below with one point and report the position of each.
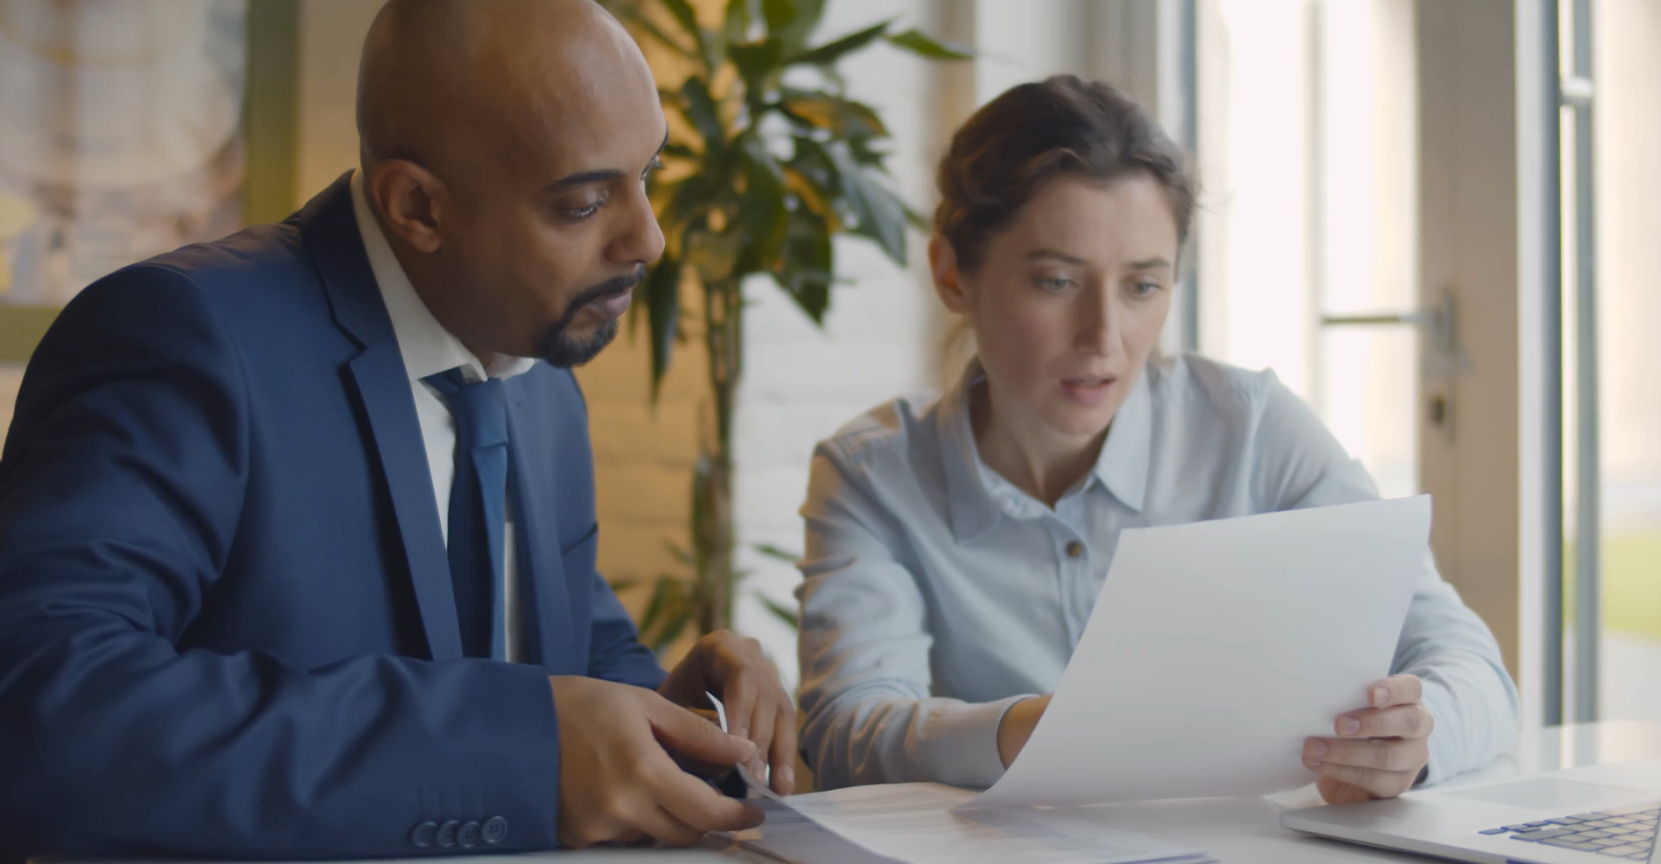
(1467, 691)
(936, 595)
(865, 642)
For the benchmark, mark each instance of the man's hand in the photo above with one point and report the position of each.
(1380, 751)
(736, 671)
(616, 782)
(1017, 726)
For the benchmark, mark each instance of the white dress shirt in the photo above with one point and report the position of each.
(938, 593)
(429, 349)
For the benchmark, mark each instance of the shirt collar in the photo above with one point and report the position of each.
(1122, 466)
(427, 347)
(973, 490)
(968, 500)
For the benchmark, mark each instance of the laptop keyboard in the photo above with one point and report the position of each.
(1624, 833)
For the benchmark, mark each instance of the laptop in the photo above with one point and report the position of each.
(1594, 815)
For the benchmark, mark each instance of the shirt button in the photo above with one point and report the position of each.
(494, 830)
(447, 834)
(469, 835)
(1075, 549)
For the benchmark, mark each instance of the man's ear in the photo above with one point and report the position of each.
(948, 278)
(411, 202)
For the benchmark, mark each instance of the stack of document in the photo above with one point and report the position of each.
(917, 823)
(1214, 650)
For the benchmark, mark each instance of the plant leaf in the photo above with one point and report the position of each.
(618, 586)
(758, 63)
(663, 311)
(782, 612)
(713, 256)
(661, 591)
(882, 216)
(864, 154)
(815, 199)
(762, 207)
(701, 476)
(831, 52)
(844, 118)
(772, 551)
(808, 264)
(678, 551)
(778, 13)
(686, 16)
(792, 21)
(738, 18)
(929, 48)
(680, 207)
(816, 166)
(667, 614)
(672, 630)
(700, 111)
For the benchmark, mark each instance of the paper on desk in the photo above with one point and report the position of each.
(1216, 648)
(915, 823)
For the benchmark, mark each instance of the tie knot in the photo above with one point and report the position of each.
(480, 408)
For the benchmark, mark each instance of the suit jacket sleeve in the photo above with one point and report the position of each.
(615, 652)
(122, 481)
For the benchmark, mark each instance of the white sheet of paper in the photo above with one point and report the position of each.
(759, 785)
(915, 823)
(1216, 648)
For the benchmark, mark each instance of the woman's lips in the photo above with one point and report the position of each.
(1089, 390)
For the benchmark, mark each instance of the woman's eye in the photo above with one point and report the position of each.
(1145, 289)
(1053, 284)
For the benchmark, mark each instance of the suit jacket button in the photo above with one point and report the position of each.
(447, 834)
(495, 830)
(423, 834)
(469, 835)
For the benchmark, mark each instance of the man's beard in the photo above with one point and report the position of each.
(565, 352)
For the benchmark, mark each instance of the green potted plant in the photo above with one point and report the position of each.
(774, 161)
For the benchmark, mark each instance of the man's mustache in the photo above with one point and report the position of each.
(613, 287)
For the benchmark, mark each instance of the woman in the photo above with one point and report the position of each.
(956, 544)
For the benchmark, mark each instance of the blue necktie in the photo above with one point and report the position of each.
(478, 501)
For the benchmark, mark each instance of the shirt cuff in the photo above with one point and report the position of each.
(960, 745)
(1445, 761)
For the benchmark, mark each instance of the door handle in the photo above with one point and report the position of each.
(1442, 357)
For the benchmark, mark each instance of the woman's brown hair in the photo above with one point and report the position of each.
(1061, 126)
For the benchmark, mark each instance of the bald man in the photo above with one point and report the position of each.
(297, 531)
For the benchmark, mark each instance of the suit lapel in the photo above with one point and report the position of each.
(542, 570)
(329, 230)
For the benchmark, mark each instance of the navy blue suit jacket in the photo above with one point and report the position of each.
(226, 620)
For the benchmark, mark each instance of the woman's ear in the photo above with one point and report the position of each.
(948, 281)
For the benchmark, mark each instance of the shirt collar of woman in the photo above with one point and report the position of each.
(977, 496)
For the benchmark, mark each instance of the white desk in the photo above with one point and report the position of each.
(1247, 830)
(1234, 831)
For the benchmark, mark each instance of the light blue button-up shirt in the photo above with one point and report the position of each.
(937, 594)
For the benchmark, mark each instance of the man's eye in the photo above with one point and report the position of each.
(577, 214)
